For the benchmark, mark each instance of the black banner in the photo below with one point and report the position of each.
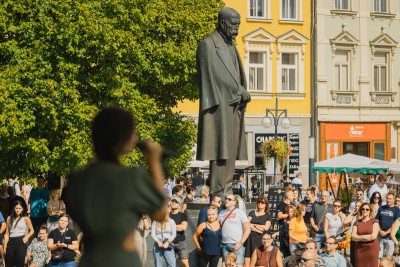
(294, 158)
(275, 196)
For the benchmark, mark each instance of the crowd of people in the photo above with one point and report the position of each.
(35, 231)
(313, 231)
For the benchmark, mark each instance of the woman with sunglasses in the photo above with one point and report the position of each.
(210, 232)
(365, 233)
(376, 202)
(19, 230)
(333, 224)
(260, 222)
(351, 219)
(266, 254)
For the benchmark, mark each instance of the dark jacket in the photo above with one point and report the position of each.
(220, 87)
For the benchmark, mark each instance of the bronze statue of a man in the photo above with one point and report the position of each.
(223, 99)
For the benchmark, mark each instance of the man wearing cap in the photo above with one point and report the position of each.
(180, 220)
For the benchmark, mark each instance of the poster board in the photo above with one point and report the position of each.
(275, 196)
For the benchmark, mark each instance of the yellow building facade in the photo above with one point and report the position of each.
(274, 44)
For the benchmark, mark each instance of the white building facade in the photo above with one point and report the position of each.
(358, 78)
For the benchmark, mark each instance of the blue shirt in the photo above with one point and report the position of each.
(203, 215)
(38, 200)
(336, 260)
(387, 216)
(1, 218)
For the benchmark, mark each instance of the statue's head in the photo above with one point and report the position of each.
(228, 22)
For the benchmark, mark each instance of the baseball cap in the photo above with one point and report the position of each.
(177, 198)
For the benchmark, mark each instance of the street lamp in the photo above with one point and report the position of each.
(272, 118)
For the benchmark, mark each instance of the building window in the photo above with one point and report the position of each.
(381, 6)
(342, 4)
(381, 72)
(290, 9)
(342, 70)
(257, 9)
(257, 71)
(289, 72)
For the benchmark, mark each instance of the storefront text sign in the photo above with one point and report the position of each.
(355, 131)
(294, 159)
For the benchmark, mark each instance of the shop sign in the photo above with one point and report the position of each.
(355, 131)
(293, 162)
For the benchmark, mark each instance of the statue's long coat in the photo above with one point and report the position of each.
(219, 93)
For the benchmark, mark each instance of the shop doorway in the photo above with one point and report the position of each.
(357, 148)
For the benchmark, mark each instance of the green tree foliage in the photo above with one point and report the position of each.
(63, 60)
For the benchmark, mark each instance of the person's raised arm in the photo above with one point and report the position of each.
(349, 218)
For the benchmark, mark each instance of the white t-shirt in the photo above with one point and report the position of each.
(297, 180)
(232, 230)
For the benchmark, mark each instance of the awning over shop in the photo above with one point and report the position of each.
(354, 163)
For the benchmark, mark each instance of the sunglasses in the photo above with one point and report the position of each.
(359, 195)
(337, 206)
(260, 202)
(266, 239)
(365, 209)
(174, 201)
(229, 199)
(305, 259)
(377, 197)
(219, 201)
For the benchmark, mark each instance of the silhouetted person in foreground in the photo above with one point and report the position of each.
(107, 199)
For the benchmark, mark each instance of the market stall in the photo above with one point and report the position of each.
(347, 163)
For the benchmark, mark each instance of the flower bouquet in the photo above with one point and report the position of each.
(278, 149)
